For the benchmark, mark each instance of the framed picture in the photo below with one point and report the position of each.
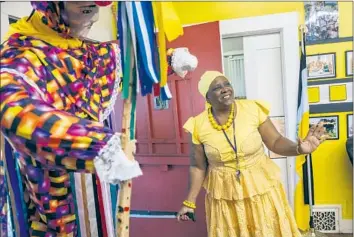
(279, 124)
(349, 125)
(322, 20)
(321, 66)
(330, 124)
(349, 64)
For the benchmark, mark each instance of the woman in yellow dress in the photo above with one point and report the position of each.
(245, 196)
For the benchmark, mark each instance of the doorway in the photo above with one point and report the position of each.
(260, 56)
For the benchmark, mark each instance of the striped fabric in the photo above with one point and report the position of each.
(302, 212)
(136, 24)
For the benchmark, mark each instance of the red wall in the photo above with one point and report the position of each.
(162, 148)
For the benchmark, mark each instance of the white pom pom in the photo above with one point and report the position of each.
(183, 62)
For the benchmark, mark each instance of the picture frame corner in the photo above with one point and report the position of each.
(347, 67)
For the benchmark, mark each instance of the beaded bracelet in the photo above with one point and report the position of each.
(189, 204)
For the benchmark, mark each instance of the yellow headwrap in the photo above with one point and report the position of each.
(35, 27)
(207, 78)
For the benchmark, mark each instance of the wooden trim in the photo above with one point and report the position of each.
(176, 117)
(148, 111)
(166, 160)
(162, 140)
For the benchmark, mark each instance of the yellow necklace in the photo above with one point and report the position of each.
(216, 125)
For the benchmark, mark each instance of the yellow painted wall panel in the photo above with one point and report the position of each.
(314, 94)
(345, 19)
(337, 93)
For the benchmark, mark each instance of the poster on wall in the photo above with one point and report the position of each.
(321, 66)
(330, 123)
(321, 18)
(349, 125)
(279, 124)
(349, 64)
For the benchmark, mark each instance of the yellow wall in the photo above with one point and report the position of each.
(198, 12)
(332, 169)
(345, 19)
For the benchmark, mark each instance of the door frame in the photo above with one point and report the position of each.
(286, 24)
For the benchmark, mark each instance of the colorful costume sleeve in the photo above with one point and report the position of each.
(56, 138)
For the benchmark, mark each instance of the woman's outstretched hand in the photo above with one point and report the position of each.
(314, 138)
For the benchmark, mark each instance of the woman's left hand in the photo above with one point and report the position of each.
(314, 138)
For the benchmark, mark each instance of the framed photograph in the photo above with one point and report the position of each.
(349, 64)
(349, 125)
(321, 19)
(321, 66)
(279, 124)
(330, 123)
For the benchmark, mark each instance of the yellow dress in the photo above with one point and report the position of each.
(254, 205)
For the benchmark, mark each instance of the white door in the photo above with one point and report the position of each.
(270, 45)
(263, 81)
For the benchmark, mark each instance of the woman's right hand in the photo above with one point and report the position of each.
(182, 214)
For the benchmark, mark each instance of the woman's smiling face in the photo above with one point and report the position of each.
(220, 92)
